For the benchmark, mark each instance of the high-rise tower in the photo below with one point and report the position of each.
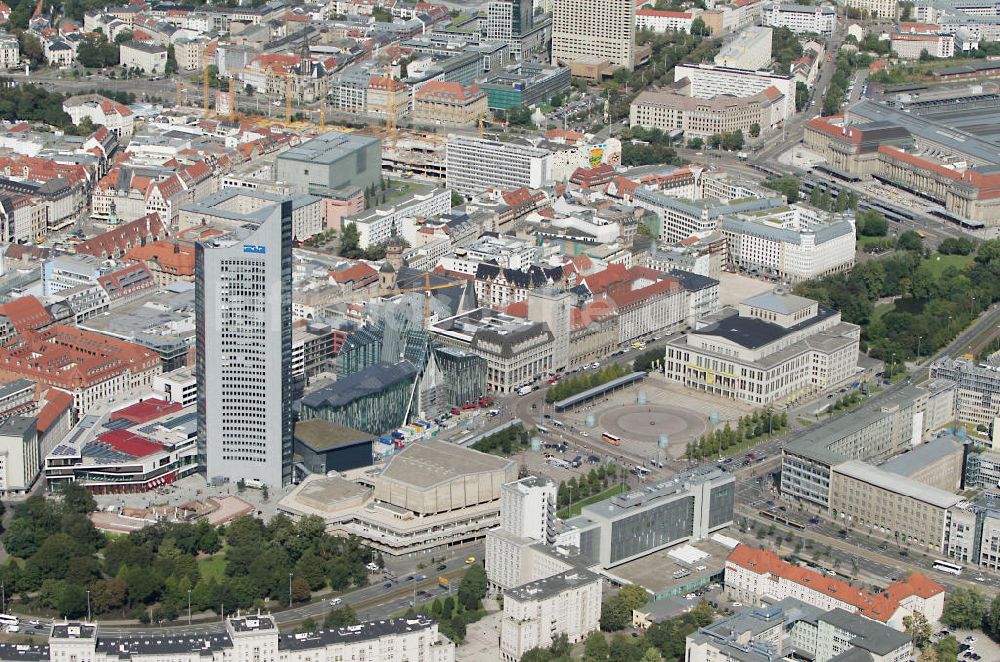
(243, 300)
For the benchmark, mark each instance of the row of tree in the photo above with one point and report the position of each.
(587, 380)
(506, 442)
(749, 427)
(58, 557)
(577, 489)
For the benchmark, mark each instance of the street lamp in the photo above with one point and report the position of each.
(289, 590)
(189, 606)
(88, 607)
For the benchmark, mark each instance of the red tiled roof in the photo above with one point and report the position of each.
(916, 161)
(825, 125)
(518, 309)
(56, 404)
(355, 273)
(170, 257)
(876, 606)
(121, 239)
(26, 314)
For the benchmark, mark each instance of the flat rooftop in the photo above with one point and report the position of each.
(329, 148)
(431, 462)
(907, 487)
(322, 435)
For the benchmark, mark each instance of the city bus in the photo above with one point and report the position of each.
(612, 439)
(7, 620)
(947, 566)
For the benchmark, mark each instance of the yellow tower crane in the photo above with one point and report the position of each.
(232, 98)
(426, 288)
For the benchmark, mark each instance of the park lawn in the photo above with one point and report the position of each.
(881, 309)
(864, 241)
(574, 510)
(213, 566)
(938, 263)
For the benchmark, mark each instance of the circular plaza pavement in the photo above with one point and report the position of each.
(645, 424)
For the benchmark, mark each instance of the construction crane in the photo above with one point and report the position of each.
(322, 115)
(288, 98)
(391, 110)
(232, 99)
(179, 101)
(426, 288)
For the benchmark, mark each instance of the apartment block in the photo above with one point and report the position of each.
(750, 50)
(711, 80)
(755, 576)
(682, 218)
(977, 396)
(533, 614)
(475, 165)
(801, 19)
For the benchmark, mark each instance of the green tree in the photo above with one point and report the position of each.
(457, 199)
(917, 626)
(909, 241)
(473, 587)
(171, 66)
(340, 617)
(633, 596)
(76, 498)
(560, 645)
(350, 241)
(651, 655)
(698, 27)
(801, 96)
(946, 650)
(872, 223)
(31, 48)
(595, 647)
(964, 608)
(789, 186)
(615, 615)
(754, 130)
(993, 619)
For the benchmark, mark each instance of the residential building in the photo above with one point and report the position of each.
(387, 97)
(10, 52)
(247, 636)
(587, 33)
(885, 9)
(775, 347)
(749, 634)
(663, 20)
(449, 104)
(791, 244)
(801, 19)
(689, 506)
(101, 111)
(169, 261)
(330, 162)
(475, 165)
(939, 463)
(244, 350)
(147, 58)
(17, 397)
(750, 50)
(20, 455)
(400, 216)
(757, 575)
(910, 46)
(534, 614)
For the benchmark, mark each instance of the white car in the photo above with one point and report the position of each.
(34, 623)
(737, 604)
(335, 602)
